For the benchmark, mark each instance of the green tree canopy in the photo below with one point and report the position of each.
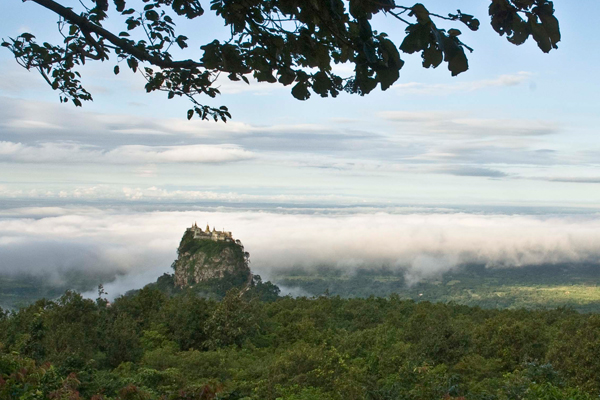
(293, 42)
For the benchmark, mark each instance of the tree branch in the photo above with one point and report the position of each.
(126, 45)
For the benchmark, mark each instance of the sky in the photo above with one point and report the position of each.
(518, 128)
(514, 137)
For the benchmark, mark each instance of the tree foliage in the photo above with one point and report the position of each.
(293, 42)
(153, 347)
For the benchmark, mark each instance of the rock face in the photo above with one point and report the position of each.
(204, 260)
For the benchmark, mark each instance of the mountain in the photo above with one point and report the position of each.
(210, 263)
(209, 257)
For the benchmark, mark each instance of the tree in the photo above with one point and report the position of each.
(293, 42)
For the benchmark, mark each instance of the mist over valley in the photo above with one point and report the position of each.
(124, 249)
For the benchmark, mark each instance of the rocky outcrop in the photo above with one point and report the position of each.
(204, 260)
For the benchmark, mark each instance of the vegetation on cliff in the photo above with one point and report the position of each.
(210, 263)
(210, 248)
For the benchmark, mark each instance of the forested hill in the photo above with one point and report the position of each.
(152, 346)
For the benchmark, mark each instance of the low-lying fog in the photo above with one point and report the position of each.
(142, 245)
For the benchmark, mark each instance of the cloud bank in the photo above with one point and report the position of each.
(447, 123)
(142, 245)
(506, 80)
(66, 152)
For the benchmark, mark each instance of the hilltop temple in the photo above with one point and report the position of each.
(210, 235)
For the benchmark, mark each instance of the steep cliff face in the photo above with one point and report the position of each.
(202, 260)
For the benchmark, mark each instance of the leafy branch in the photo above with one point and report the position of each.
(291, 42)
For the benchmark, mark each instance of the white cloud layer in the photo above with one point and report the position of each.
(158, 195)
(65, 152)
(505, 80)
(447, 123)
(575, 179)
(142, 244)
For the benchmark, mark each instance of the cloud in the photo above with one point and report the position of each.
(80, 241)
(573, 179)
(71, 153)
(422, 244)
(506, 80)
(178, 154)
(472, 171)
(47, 120)
(158, 195)
(66, 117)
(38, 122)
(410, 137)
(446, 123)
(408, 142)
(492, 153)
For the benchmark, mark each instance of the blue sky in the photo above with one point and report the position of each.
(519, 128)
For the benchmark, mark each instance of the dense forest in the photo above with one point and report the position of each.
(149, 345)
